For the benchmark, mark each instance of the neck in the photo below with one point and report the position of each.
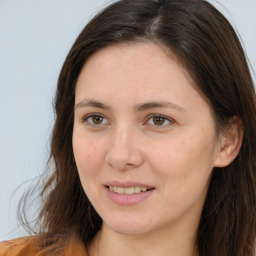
(161, 243)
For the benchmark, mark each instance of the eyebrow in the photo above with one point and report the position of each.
(91, 103)
(138, 107)
(157, 104)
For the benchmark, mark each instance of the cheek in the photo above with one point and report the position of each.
(184, 173)
(184, 162)
(87, 155)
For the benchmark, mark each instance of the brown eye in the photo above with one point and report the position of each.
(158, 120)
(97, 119)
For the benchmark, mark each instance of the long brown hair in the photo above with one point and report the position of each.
(209, 49)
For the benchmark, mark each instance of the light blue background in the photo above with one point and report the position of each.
(35, 37)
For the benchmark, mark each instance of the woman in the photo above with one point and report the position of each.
(154, 140)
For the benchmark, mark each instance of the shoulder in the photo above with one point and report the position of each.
(29, 246)
(24, 246)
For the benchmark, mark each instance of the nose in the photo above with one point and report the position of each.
(124, 149)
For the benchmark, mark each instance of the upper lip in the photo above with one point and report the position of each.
(127, 184)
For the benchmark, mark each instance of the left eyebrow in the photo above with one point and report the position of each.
(91, 103)
(158, 104)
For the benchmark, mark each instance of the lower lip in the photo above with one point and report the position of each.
(126, 200)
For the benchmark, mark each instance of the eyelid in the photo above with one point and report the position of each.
(87, 116)
(171, 121)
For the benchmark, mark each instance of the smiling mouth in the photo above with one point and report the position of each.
(128, 191)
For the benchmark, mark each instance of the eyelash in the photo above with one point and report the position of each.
(162, 117)
(87, 117)
(150, 117)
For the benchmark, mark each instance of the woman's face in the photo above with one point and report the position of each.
(144, 140)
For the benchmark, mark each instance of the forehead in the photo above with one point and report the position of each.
(134, 61)
(135, 72)
(144, 52)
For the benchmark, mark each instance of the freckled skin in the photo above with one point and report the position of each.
(176, 159)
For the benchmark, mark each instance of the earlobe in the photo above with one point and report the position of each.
(230, 143)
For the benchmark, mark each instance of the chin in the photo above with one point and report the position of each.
(132, 226)
(130, 231)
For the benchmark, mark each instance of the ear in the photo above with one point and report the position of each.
(230, 143)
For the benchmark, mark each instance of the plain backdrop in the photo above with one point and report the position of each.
(35, 37)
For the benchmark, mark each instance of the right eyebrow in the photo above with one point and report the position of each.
(158, 104)
(91, 103)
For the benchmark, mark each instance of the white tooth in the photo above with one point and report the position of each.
(120, 190)
(137, 189)
(129, 191)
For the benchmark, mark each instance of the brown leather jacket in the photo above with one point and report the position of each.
(27, 246)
